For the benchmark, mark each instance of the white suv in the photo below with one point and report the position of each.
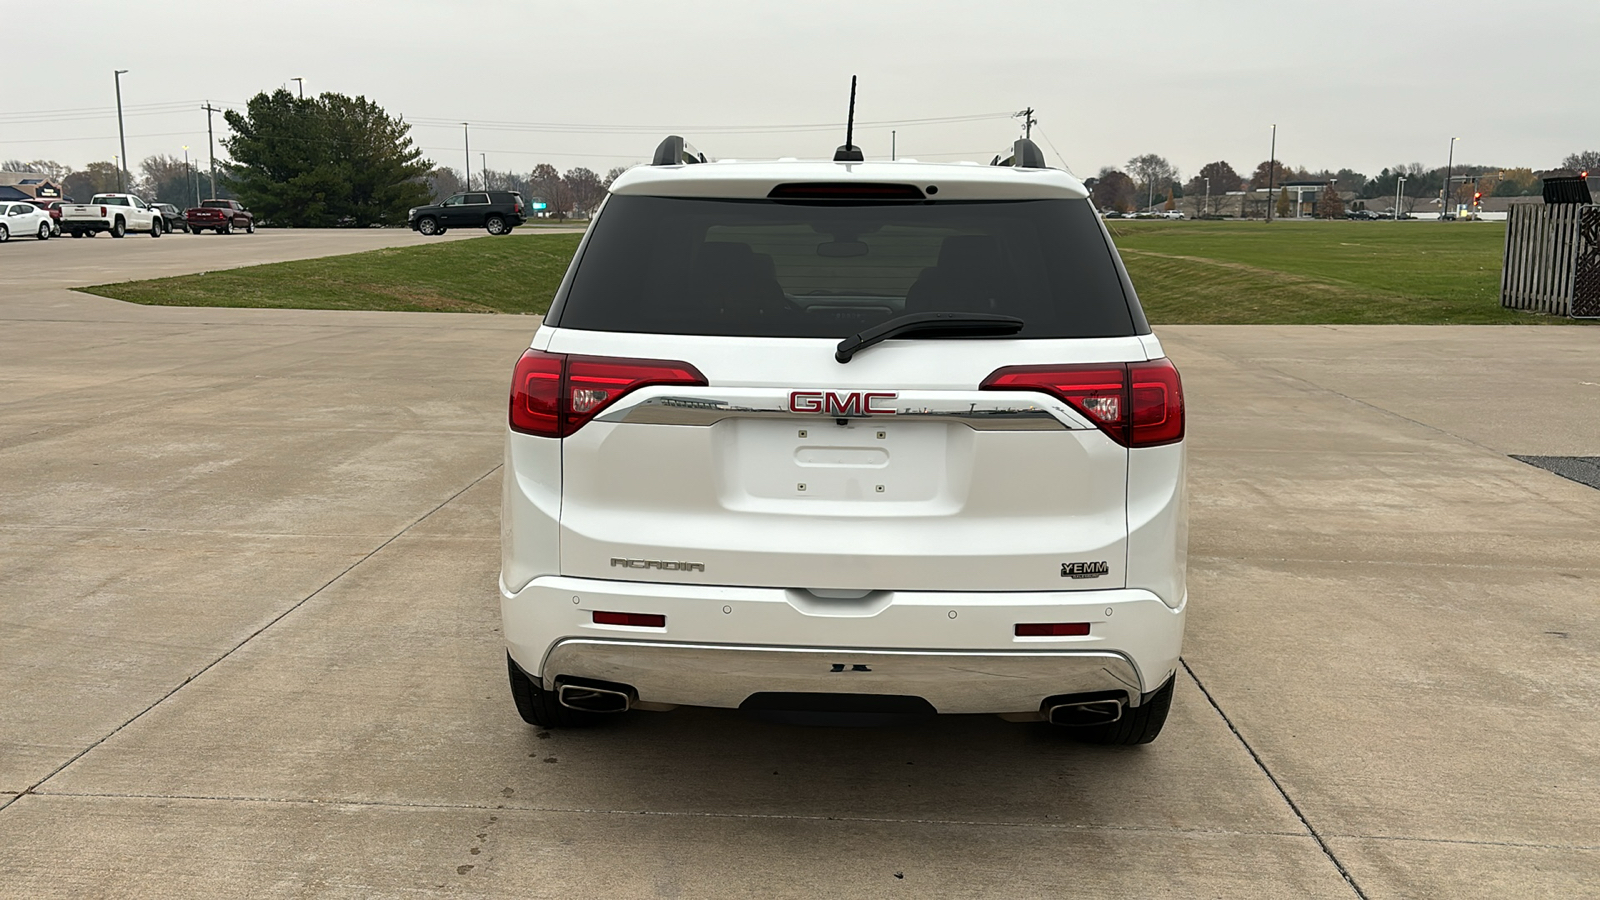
(846, 438)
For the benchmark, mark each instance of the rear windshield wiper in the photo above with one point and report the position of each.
(929, 325)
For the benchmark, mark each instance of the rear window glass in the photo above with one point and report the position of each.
(762, 268)
(109, 201)
(214, 204)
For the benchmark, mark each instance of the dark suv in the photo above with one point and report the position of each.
(496, 211)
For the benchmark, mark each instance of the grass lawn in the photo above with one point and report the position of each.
(515, 274)
(1341, 272)
(1187, 272)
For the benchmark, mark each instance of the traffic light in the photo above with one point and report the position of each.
(1476, 196)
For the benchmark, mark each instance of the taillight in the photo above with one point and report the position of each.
(1136, 404)
(553, 394)
(102, 212)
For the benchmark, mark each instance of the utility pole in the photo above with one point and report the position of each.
(1399, 185)
(211, 142)
(193, 184)
(122, 138)
(1449, 169)
(466, 140)
(1208, 196)
(483, 170)
(1028, 121)
(1272, 171)
(301, 82)
(891, 146)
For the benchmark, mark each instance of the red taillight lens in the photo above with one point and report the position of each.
(536, 394)
(553, 394)
(1136, 404)
(102, 212)
(1053, 629)
(636, 620)
(1157, 395)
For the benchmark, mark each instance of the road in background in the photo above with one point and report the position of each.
(250, 635)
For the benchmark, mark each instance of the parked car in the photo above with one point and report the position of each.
(53, 207)
(747, 468)
(116, 213)
(494, 211)
(171, 217)
(21, 218)
(221, 216)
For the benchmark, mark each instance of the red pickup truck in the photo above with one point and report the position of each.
(221, 216)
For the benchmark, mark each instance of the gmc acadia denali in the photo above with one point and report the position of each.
(850, 438)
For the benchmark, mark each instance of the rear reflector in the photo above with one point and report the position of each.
(553, 394)
(1053, 629)
(1136, 404)
(637, 620)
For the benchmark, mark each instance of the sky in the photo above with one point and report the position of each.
(597, 83)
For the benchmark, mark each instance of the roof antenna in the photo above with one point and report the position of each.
(850, 152)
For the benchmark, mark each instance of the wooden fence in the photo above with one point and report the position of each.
(1552, 260)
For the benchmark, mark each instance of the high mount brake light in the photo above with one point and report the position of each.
(846, 192)
(1136, 404)
(553, 394)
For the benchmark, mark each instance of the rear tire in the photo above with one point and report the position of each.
(119, 228)
(227, 228)
(44, 231)
(1137, 726)
(540, 707)
(496, 225)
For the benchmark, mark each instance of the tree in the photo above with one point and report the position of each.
(166, 178)
(442, 182)
(1584, 161)
(95, 178)
(323, 161)
(1223, 180)
(1330, 205)
(614, 174)
(56, 172)
(1154, 174)
(585, 189)
(1113, 190)
(1277, 172)
(1516, 183)
(546, 182)
(1283, 203)
(1171, 203)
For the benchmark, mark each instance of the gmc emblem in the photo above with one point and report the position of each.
(833, 403)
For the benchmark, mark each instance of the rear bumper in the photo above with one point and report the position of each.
(955, 650)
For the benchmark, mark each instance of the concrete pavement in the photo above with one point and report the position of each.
(248, 635)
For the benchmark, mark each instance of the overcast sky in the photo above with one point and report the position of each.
(1353, 83)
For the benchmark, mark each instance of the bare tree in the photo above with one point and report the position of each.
(444, 181)
(56, 172)
(1154, 175)
(545, 180)
(614, 174)
(585, 188)
(1585, 161)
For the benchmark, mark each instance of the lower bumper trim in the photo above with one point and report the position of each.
(726, 675)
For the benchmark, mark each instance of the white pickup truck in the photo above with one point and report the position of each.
(116, 213)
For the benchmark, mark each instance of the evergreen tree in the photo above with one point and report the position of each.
(324, 161)
(1283, 203)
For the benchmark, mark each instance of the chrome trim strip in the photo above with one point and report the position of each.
(723, 675)
(987, 412)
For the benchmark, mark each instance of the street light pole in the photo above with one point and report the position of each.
(483, 170)
(466, 141)
(1449, 170)
(122, 138)
(193, 184)
(1399, 185)
(1208, 196)
(1272, 171)
(301, 83)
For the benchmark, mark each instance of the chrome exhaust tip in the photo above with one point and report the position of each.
(589, 698)
(1085, 712)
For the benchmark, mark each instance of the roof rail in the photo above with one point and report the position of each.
(1025, 154)
(675, 152)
